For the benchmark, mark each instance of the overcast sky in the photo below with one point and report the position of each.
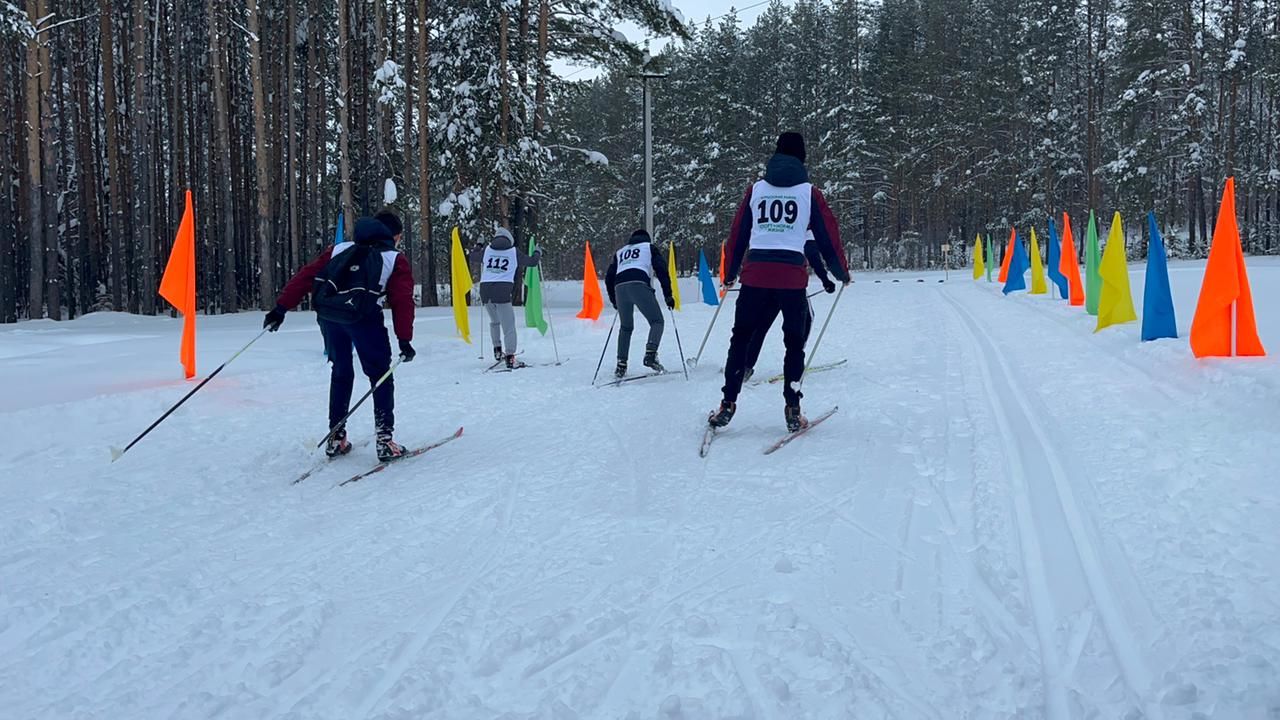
(695, 11)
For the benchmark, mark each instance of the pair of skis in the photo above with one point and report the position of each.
(712, 433)
(382, 465)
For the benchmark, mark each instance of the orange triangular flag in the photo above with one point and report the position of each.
(1008, 255)
(1226, 284)
(722, 290)
(592, 301)
(178, 285)
(1068, 265)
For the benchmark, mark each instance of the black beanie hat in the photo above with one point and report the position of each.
(640, 235)
(791, 143)
(388, 218)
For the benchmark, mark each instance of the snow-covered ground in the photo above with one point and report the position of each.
(1010, 516)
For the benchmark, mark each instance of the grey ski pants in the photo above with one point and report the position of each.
(632, 296)
(502, 325)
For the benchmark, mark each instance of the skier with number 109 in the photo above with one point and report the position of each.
(766, 245)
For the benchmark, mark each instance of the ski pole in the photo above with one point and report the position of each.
(694, 362)
(816, 343)
(684, 365)
(605, 349)
(554, 345)
(479, 325)
(116, 453)
(333, 430)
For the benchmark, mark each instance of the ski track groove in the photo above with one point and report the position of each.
(411, 648)
(1134, 672)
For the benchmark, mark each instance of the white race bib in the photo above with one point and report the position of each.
(636, 257)
(780, 216)
(499, 265)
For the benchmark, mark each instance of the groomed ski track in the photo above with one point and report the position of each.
(1010, 517)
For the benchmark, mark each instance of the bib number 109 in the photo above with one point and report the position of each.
(777, 211)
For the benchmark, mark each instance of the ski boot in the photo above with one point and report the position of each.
(721, 417)
(795, 420)
(746, 374)
(337, 444)
(651, 361)
(497, 353)
(513, 364)
(388, 449)
(621, 370)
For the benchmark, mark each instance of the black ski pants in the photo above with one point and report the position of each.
(755, 311)
(368, 337)
(757, 340)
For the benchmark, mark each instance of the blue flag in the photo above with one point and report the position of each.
(1158, 320)
(337, 235)
(1019, 264)
(1055, 259)
(706, 281)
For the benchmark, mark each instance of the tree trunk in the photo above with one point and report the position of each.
(427, 274)
(344, 99)
(291, 165)
(262, 146)
(49, 147)
(222, 175)
(140, 153)
(8, 228)
(504, 119)
(35, 204)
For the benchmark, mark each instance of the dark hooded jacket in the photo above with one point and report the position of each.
(783, 269)
(399, 288)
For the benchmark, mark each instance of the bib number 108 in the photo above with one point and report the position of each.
(777, 211)
(630, 254)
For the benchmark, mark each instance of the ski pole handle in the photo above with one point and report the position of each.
(117, 453)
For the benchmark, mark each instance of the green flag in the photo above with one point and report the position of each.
(1092, 274)
(991, 257)
(533, 295)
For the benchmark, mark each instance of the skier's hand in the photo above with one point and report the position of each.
(274, 319)
(728, 284)
(828, 286)
(671, 303)
(407, 353)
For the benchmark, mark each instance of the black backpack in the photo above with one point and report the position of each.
(348, 289)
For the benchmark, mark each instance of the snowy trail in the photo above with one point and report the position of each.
(1053, 535)
(1009, 517)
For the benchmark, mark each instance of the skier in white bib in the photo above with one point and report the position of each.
(766, 245)
(501, 262)
(629, 281)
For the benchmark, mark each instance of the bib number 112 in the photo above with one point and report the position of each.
(777, 211)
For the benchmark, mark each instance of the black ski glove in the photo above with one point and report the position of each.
(671, 303)
(274, 319)
(407, 353)
(828, 285)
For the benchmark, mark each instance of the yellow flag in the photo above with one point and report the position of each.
(1115, 302)
(671, 270)
(979, 267)
(1038, 284)
(460, 282)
